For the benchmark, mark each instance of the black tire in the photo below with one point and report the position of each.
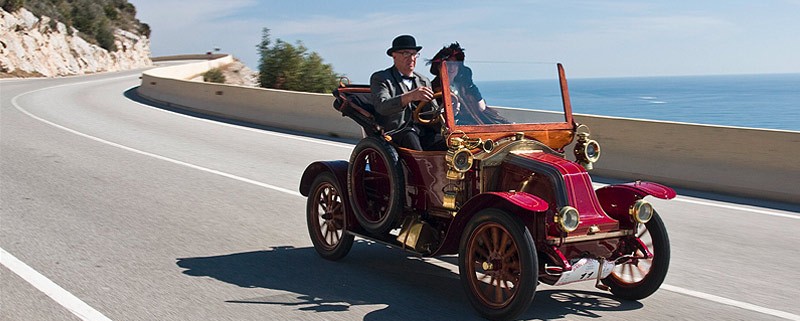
(639, 278)
(325, 217)
(376, 185)
(511, 260)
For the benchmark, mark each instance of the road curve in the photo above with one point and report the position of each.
(134, 212)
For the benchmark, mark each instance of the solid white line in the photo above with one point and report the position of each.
(700, 295)
(61, 296)
(174, 161)
(738, 208)
(57, 293)
(726, 301)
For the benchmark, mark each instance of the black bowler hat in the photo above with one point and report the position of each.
(403, 42)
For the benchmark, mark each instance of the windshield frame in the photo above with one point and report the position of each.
(554, 134)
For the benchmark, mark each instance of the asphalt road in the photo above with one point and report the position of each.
(117, 209)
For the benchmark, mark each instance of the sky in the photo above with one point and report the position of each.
(592, 38)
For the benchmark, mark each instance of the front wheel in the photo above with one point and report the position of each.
(498, 264)
(639, 277)
(325, 214)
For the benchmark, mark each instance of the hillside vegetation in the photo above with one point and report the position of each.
(94, 19)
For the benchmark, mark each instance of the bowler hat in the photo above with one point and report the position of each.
(403, 42)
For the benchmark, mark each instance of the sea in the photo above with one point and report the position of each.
(770, 101)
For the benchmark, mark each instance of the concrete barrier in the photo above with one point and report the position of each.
(737, 161)
(307, 112)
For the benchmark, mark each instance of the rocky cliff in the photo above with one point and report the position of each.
(39, 46)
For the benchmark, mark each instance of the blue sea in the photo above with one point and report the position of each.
(758, 101)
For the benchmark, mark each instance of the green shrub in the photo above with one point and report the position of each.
(105, 37)
(12, 5)
(214, 75)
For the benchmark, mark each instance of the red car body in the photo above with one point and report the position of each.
(503, 197)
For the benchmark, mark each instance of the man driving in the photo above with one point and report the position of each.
(395, 89)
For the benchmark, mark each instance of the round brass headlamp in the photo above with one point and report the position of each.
(460, 159)
(568, 219)
(592, 151)
(587, 151)
(641, 211)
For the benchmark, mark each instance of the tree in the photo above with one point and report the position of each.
(318, 75)
(292, 67)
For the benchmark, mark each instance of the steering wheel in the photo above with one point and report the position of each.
(432, 116)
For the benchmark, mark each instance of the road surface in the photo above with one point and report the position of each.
(114, 208)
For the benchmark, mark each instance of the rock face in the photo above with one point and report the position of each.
(31, 46)
(238, 73)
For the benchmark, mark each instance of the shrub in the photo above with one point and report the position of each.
(105, 37)
(214, 75)
(12, 5)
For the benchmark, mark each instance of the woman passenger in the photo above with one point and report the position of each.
(468, 104)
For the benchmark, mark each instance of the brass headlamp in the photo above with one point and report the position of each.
(586, 151)
(568, 219)
(641, 211)
(459, 161)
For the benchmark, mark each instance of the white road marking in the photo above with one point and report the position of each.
(680, 198)
(130, 149)
(701, 295)
(57, 293)
(738, 208)
(726, 301)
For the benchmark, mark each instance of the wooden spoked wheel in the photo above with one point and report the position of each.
(326, 217)
(497, 262)
(637, 277)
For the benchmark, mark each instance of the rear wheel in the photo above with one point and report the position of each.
(325, 213)
(376, 185)
(639, 277)
(498, 264)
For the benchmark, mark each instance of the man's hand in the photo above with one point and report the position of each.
(417, 94)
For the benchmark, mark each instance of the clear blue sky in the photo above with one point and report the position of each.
(592, 38)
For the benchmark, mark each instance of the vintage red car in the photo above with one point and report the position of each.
(503, 196)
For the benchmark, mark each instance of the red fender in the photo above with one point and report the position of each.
(517, 203)
(640, 188)
(338, 168)
(617, 199)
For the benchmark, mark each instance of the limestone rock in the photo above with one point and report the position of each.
(30, 46)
